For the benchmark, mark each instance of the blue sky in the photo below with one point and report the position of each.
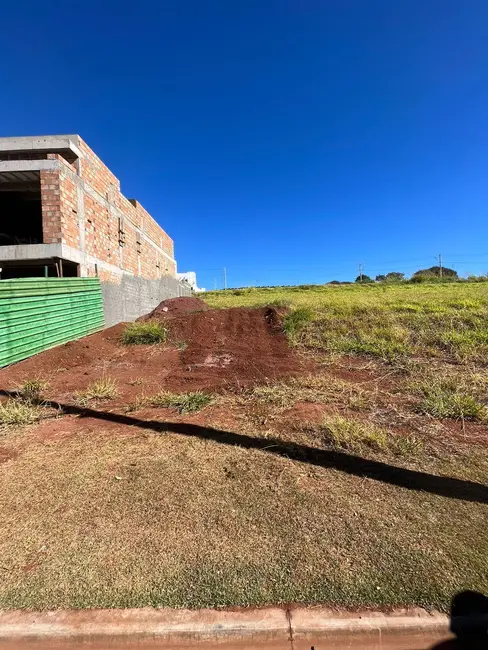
(287, 140)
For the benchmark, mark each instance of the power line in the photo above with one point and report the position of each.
(344, 271)
(345, 263)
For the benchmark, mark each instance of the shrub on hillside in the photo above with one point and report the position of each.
(434, 273)
(364, 279)
(393, 276)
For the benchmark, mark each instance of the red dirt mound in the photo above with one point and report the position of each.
(172, 306)
(233, 346)
(205, 350)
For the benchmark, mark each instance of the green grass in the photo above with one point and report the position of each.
(296, 321)
(182, 402)
(449, 398)
(148, 333)
(390, 322)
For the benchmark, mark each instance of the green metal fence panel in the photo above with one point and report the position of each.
(39, 313)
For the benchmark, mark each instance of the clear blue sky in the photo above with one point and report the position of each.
(287, 140)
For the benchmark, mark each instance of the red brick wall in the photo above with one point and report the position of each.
(51, 207)
(153, 230)
(96, 174)
(105, 209)
(102, 235)
(59, 207)
(69, 211)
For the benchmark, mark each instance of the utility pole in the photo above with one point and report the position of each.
(225, 278)
(440, 265)
(360, 272)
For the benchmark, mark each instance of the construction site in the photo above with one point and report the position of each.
(63, 215)
(152, 463)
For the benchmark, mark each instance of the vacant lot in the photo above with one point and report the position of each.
(355, 475)
(448, 321)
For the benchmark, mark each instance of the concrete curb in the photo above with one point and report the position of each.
(272, 622)
(320, 619)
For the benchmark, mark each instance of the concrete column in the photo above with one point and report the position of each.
(80, 196)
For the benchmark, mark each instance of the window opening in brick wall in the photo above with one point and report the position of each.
(20, 209)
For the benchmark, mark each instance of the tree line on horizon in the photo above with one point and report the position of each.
(432, 274)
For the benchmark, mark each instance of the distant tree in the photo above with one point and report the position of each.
(477, 278)
(363, 279)
(334, 282)
(434, 272)
(395, 276)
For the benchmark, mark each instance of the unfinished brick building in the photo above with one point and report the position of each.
(62, 214)
(61, 209)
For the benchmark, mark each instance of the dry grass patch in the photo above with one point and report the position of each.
(19, 412)
(315, 388)
(358, 435)
(164, 520)
(101, 389)
(31, 389)
(182, 402)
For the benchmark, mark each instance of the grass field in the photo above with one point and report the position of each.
(361, 483)
(448, 321)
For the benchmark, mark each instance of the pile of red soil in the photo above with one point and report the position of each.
(232, 346)
(208, 349)
(173, 306)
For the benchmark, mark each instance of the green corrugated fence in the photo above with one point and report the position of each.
(39, 313)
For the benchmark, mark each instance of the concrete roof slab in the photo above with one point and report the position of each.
(42, 143)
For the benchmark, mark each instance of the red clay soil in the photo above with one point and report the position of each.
(174, 306)
(209, 350)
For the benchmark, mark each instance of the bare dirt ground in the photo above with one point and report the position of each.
(206, 350)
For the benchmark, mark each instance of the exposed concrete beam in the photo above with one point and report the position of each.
(29, 252)
(42, 143)
(28, 165)
(21, 252)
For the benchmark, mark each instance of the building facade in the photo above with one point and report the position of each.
(62, 213)
(190, 278)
